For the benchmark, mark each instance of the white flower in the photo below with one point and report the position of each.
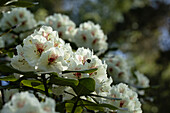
(42, 51)
(48, 106)
(62, 24)
(18, 16)
(19, 62)
(2, 43)
(84, 59)
(22, 103)
(9, 38)
(34, 46)
(91, 36)
(118, 69)
(52, 60)
(142, 80)
(129, 99)
(25, 102)
(9, 93)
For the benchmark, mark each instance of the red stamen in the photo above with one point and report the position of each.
(21, 15)
(23, 23)
(46, 35)
(59, 24)
(84, 37)
(15, 19)
(40, 48)
(93, 33)
(118, 64)
(60, 34)
(110, 69)
(94, 41)
(120, 74)
(78, 75)
(121, 103)
(52, 59)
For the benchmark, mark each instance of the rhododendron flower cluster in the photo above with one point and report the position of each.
(25, 102)
(43, 48)
(62, 24)
(18, 16)
(129, 99)
(91, 36)
(118, 69)
(44, 51)
(87, 35)
(9, 38)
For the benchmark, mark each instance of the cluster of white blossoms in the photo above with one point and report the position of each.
(9, 38)
(41, 51)
(118, 69)
(91, 36)
(62, 24)
(87, 35)
(25, 102)
(18, 16)
(44, 51)
(129, 99)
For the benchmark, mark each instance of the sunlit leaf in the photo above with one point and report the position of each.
(34, 84)
(8, 78)
(69, 107)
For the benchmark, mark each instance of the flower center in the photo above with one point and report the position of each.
(52, 59)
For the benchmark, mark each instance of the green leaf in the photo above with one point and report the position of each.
(10, 54)
(109, 106)
(30, 83)
(85, 86)
(8, 69)
(111, 98)
(8, 78)
(92, 106)
(9, 87)
(69, 107)
(81, 71)
(34, 84)
(63, 81)
(60, 107)
(22, 4)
